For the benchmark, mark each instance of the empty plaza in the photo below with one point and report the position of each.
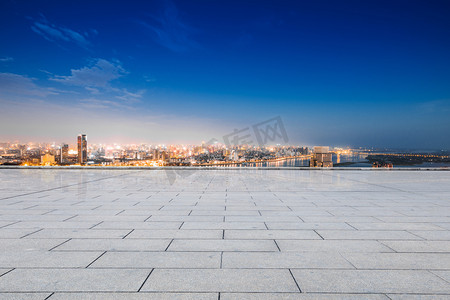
(224, 234)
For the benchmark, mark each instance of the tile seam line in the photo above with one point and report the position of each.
(145, 280)
(295, 280)
(437, 275)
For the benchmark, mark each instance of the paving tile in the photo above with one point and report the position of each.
(370, 281)
(158, 260)
(73, 280)
(223, 225)
(367, 235)
(225, 213)
(175, 234)
(299, 296)
(139, 225)
(443, 274)
(332, 246)
(303, 225)
(135, 296)
(5, 223)
(271, 234)
(291, 219)
(185, 219)
(19, 245)
(433, 235)
(443, 225)
(417, 297)
(225, 280)
(79, 233)
(46, 259)
(6, 233)
(412, 261)
(24, 296)
(331, 219)
(418, 246)
(285, 260)
(42, 224)
(114, 245)
(395, 226)
(222, 245)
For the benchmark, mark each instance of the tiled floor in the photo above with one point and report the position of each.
(224, 234)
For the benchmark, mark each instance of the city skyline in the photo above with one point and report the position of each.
(172, 72)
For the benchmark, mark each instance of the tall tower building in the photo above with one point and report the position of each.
(64, 154)
(82, 149)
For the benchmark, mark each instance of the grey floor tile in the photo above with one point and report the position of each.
(299, 296)
(370, 281)
(114, 245)
(301, 225)
(223, 245)
(305, 260)
(158, 260)
(406, 261)
(395, 226)
(443, 274)
(223, 225)
(332, 246)
(418, 246)
(6, 233)
(433, 235)
(272, 234)
(73, 280)
(367, 235)
(43, 224)
(418, 297)
(139, 225)
(24, 296)
(28, 244)
(225, 280)
(46, 259)
(79, 233)
(175, 234)
(135, 296)
(185, 219)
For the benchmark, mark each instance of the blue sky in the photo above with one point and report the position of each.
(343, 73)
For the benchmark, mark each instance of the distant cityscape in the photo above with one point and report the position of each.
(206, 154)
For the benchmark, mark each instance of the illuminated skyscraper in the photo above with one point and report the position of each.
(82, 149)
(64, 154)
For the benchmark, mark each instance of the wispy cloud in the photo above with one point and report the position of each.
(6, 59)
(130, 97)
(94, 103)
(17, 87)
(56, 34)
(168, 30)
(98, 74)
(98, 78)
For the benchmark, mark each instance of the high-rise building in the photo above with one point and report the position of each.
(82, 149)
(64, 154)
(155, 154)
(321, 158)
